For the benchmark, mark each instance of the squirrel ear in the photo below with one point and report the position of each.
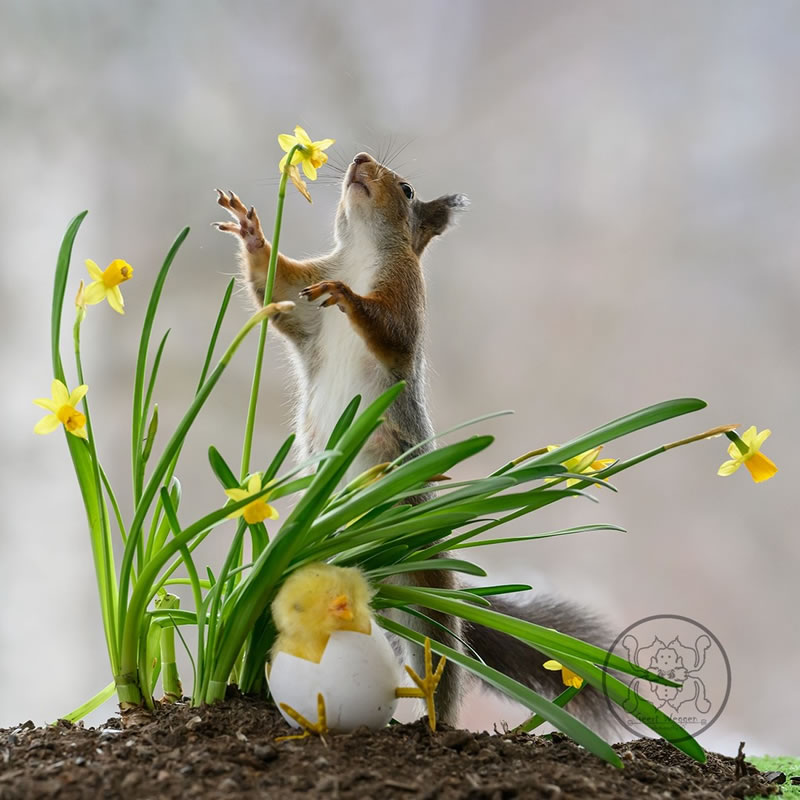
(433, 218)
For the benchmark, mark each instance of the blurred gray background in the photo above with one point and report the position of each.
(634, 170)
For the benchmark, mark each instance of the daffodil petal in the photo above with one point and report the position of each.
(302, 136)
(760, 467)
(761, 438)
(749, 435)
(79, 432)
(77, 395)
(310, 170)
(47, 424)
(94, 293)
(324, 144)
(94, 270)
(273, 512)
(46, 402)
(235, 514)
(115, 300)
(254, 483)
(237, 494)
(287, 142)
(729, 467)
(59, 392)
(553, 666)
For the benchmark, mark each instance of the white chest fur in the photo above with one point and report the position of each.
(344, 366)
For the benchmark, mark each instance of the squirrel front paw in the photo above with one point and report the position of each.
(247, 225)
(340, 294)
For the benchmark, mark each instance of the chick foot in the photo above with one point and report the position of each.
(426, 687)
(318, 728)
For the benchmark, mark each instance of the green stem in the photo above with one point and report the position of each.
(273, 263)
(104, 560)
(170, 680)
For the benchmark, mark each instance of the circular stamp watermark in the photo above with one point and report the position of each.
(684, 652)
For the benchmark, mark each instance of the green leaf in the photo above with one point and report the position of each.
(537, 719)
(425, 442)
(643, 418)
(548, 534)
(344, 422)
(413, 472)
(503, 588)
(221, 469)
(543, 639)
(90, 705)
(137, 467)
(436, 564)
(280, 457)
(215, 333)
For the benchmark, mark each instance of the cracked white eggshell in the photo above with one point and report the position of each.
(357, 676)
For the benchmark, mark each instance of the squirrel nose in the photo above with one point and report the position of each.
(362, 158)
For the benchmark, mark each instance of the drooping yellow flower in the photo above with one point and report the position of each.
(583, 464)
(759, 466)
(309, 154)
(63, 411)
(259, 509)
(568, 677)
(105, 283)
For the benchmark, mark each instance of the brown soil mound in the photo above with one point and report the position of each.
(228, 751)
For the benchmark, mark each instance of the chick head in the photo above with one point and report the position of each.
(320, 598)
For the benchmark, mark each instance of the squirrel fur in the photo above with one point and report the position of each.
(374, 277)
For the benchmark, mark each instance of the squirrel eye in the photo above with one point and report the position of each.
(408, 190)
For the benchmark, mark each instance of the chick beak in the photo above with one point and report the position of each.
(340, 607)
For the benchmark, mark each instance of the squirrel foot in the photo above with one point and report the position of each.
(318, 728)
(425, 686)
(247, 225)
(339, 292)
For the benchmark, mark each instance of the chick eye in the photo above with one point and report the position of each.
(298, 607)
(408, 190)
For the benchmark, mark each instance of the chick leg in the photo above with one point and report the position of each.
(426, 687)
(320, 727)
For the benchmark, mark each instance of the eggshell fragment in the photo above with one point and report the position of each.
(357, 676)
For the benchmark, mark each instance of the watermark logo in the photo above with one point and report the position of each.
(684, 652)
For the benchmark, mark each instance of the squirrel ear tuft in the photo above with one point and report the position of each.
(434, 218)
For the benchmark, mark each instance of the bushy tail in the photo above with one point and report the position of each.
(519, 661)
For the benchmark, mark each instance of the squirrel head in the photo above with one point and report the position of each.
(380, 204)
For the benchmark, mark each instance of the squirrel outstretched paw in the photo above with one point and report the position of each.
(247, 225)
(339, 293)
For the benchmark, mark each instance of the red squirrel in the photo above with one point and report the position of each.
(374, 276)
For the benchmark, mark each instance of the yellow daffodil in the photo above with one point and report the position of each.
(583, 464)
(309, 154)
(760, 467)
(105, 283)
(568, 677)
(63, 411)
(259, 509)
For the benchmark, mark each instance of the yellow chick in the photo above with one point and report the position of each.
(314, 602)
(329, 650)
